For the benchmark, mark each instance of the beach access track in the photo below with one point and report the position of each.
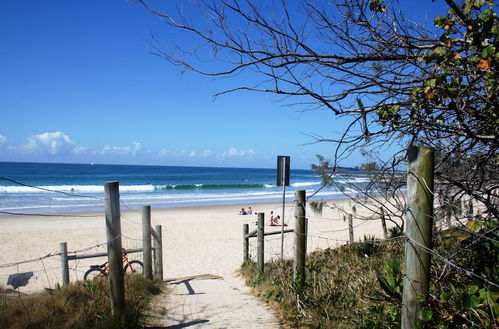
(209, 301)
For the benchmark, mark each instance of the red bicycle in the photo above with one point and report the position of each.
(99, 271)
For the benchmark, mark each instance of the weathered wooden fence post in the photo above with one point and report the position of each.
(146, 241)
(300, 240)
(113, 230)
(350, 227)
(245, 243)
(419, 221)
(63, 251)
(383, 222)
(158, 252)
(260, 242)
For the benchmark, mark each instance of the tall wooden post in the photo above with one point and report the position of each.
(300, 239)
(146, 241)
(383, 222)
(158, 253)
(245, 243)
(350, 227)
(260, 242)
(63, 251)
(419, 221)
(113, 229)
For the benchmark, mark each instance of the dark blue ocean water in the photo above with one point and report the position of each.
(55, 188)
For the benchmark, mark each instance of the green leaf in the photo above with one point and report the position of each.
(473, 226)
(471, 301)
(488, 51)
(440, 20)
(440, 51)
(384, 284)
(421, 298)
(425, 314)
(485, 15)
(472, 290)
(444, 297)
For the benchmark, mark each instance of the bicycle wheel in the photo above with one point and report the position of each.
(134, 267)
(93, 273)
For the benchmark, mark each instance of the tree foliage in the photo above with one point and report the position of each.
(364, 61)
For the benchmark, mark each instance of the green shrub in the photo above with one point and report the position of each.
(79, 305)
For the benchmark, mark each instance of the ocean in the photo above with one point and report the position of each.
(47, 188)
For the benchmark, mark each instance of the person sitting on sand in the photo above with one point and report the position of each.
(271, 223)
(277, 219)
(243, 212)
(250, 211)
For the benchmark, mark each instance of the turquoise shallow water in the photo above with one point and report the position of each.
(53, 188)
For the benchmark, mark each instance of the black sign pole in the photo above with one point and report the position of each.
(283, 159)
(283, 180)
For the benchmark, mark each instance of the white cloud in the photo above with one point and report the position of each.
(233, 152)
(122, 150)
(137, 146)
(165, 153)
(3, 140)
(52, 143)
(207, 153)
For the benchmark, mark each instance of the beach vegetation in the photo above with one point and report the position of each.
(79, 305)
(347, 288)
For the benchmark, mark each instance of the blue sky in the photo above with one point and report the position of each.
(78, 84)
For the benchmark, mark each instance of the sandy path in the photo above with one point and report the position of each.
(211, 302)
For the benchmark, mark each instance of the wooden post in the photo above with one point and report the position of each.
(146, 241)
(300, 240)
(448, 210)
(158, 254)
(260, 242)
(245, 243)
(306, 233)
(113, 230)
(63, 251)
(383, 222)
(419, 219)
(350, 227)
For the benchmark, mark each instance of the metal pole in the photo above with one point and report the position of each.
(282, 221)
(283, 207)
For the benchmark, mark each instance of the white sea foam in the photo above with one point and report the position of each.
(305, 184)
(73, 188)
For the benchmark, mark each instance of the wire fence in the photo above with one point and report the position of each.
(45, 271)
(327, 230)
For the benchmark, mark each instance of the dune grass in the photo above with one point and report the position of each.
(360, 285)
(79, 305)
(342, 287)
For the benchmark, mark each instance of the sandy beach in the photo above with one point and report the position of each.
(196, 240)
